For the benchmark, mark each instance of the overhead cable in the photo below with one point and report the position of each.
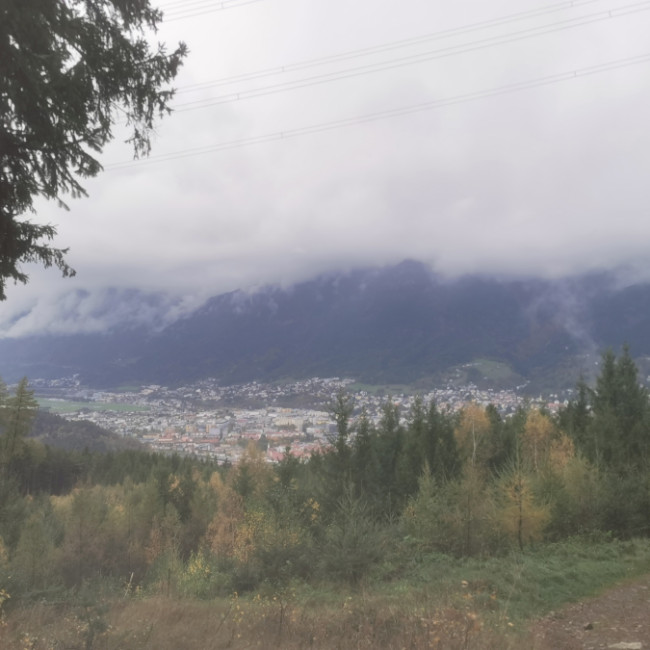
(415, 58)
(393, 45)
(381, 115)
(200, 8)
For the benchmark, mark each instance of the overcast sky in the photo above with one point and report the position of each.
(509, 136)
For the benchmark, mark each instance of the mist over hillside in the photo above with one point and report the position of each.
(393, 324)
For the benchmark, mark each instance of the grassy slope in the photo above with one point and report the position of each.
(428, 601)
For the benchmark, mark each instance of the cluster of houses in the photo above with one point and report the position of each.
(203, 418)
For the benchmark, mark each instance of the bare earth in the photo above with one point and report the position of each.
(619, 619)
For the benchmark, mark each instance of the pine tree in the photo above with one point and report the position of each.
(390, 441)
(620, 425)
(413, 455)
(365, 472)
(18, 414)
(70, 71)
(441, 448)
(576, 417)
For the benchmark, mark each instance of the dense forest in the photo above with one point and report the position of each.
(462, 484)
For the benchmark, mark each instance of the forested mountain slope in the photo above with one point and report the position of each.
(401, 323)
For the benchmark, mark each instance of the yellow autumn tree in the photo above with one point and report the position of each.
(561, 452)
(472, 436)
(246, 528)
(518, 513)
(222, 535)
(236, 529)
(240, 516)
(469, 498)
(578, 507)
(252, 475)
(537, 437)
(83, 512)
(36, 559)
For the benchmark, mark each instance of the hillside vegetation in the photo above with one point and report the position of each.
(428, 529)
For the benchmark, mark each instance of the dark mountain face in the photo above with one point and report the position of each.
(396, 324)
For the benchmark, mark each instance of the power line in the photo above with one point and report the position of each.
(203, 7)
(176, 5)
(415, 58)
(385, 47)
(183, 4)
(381, 115)
(191, 6)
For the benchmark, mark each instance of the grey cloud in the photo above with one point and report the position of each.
(548, 181)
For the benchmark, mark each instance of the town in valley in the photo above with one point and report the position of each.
(218, 422)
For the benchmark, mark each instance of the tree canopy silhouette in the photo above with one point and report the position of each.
(69, 70)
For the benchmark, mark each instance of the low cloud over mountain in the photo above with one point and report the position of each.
(401, 323)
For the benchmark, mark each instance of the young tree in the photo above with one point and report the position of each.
(390, 443)
(619, 428)
(341, 412)
(83, 552)
(441, 448)
(35, 559)
(365, 471)
(333, 468)
(352, 543)
(538, 434)
(472, 436)
(576, 416)
(17, 414)
(70, 69)
(414, 450)
(519, 513)
(503, 439)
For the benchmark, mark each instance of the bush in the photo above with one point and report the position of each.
(202, 578)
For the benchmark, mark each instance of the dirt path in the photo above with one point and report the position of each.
(618, 619)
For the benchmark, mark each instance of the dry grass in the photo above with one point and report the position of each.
(444, 603)
(160, 623)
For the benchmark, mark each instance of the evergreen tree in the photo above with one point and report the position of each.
(503, 441)
(441, 449)
(18, 414)
(352, 542)
(575, 418)
(70, 70)
(341, 412)
(390, 441)
(365, 470)
(4, 393)
(333, 468)
(619, 432)
(413, 455)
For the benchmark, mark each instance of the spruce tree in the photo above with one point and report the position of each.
(70, 71)
(619, 434)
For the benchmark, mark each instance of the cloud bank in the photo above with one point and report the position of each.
(547, 181)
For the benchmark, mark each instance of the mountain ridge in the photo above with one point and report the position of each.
(392, 324)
